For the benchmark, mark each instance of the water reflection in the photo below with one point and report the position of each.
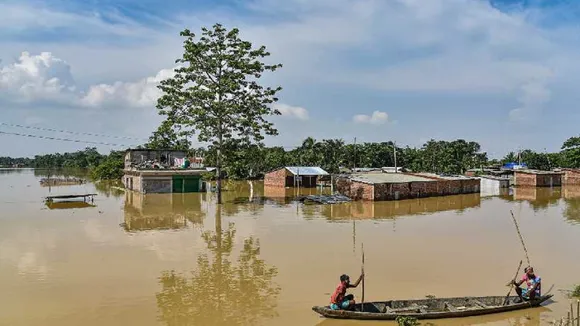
(572, 204)
(12, 171)
(539, 198)
(162, 211)
(392, 209)
(68, 204)
(251, 196)
(63, 173)
(220, 291)
(110, 188)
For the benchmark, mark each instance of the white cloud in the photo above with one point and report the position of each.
(534, 96)
(292, 111)
(36, 77)
(377, 118)
(143, 93)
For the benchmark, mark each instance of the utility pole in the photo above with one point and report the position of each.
(395, 155)
(354, 163)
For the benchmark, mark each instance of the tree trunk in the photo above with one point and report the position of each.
(219, 168)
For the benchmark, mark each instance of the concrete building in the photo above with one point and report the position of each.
(294, 176)
(395, 186)
(161, 171)
(493, 186)
(571, 177)
(537, 178)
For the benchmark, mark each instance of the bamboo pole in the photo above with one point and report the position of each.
(521, 238)
(578, 313)
(362, 307)
(512, 285)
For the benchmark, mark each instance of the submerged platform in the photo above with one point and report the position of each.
(85, 197)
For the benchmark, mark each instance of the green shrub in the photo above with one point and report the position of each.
(576, 291)
(406, 321)
(110, 169)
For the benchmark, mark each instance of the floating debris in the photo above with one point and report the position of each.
(45, 182)
(325, 199)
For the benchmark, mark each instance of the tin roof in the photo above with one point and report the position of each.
(306, 170)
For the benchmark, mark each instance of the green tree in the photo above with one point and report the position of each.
(216, 93)
(571, 152)
(111, 168)
(166, 137)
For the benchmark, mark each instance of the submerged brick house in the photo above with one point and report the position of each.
(396, 186)
(571, 177)
(291, 176)
(537, 178)
(161, 171)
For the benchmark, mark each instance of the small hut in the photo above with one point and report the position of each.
(294, 176)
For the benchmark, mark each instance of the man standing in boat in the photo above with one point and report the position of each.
(533, 283)
(339, 300)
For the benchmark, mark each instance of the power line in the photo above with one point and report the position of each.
(64, 139)
(69, 132)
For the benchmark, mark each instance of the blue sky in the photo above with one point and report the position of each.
(503, 73)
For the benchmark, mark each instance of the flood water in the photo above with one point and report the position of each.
(265, 259)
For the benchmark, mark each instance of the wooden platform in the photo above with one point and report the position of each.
(83, 196)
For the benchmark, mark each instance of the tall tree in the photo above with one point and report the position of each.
(571, 152)
(166, 137)
(216, 93)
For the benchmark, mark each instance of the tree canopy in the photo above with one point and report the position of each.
(215, 93)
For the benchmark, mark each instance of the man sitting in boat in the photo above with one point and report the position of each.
(339, 300)
(533, 283)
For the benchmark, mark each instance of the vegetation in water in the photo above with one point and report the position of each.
(576, 291)
(110, 168)
(407, 321)
(216, 93)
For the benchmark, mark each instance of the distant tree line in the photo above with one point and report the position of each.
(437, 156)
(102, 166)
(253, 161)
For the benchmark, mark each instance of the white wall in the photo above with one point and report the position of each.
(492, 187)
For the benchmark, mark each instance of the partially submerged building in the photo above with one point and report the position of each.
(537, 178)
(571, 177)
(161, 171)
(295, 176)
(493, 186)
(395, 186)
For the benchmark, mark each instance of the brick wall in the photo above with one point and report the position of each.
(524, 179)
(354, 189)
(571, 177)
(471, 186)
(548, 180)
(276, 178)
(537, 180)
(406, 190)
(392, 191)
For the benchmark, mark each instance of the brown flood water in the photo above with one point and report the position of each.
(153, 259)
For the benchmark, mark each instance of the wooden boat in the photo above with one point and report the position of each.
(431, 308)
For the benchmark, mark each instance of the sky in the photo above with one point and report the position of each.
(500, 72)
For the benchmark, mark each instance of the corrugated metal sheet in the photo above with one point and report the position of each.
(306, 170)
